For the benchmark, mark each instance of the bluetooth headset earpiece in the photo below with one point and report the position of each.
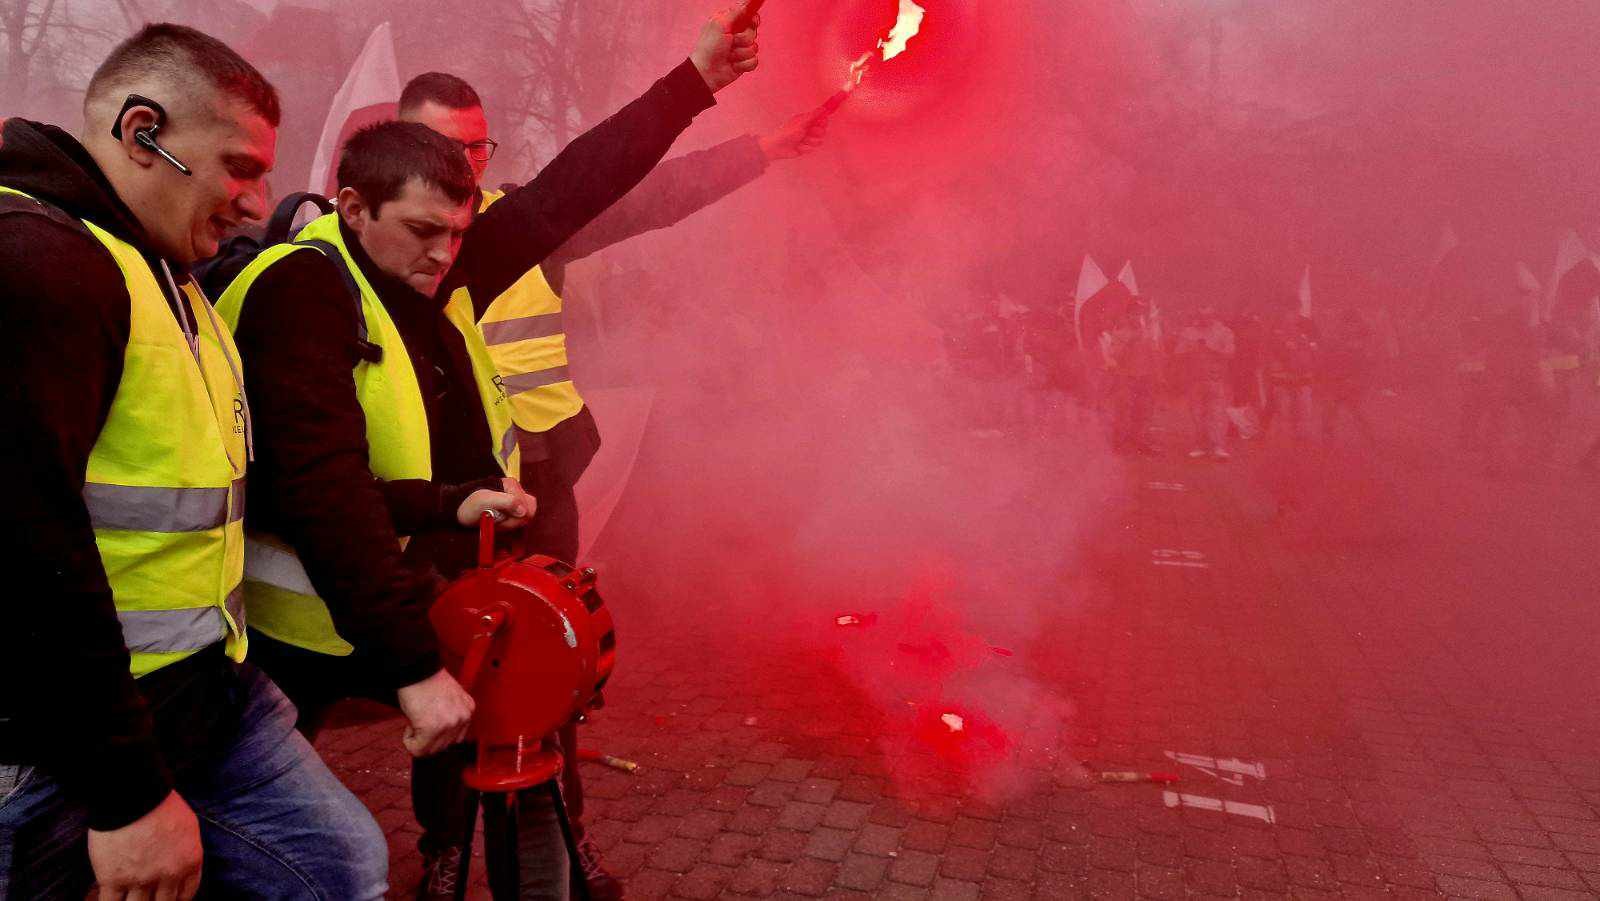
(146, 137)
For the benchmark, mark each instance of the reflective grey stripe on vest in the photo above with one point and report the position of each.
(170, 631)
(522, 328)
(271, 562)
(237, 513)
(508, 444)
(143, 509)
(516, 384)
(235, 604)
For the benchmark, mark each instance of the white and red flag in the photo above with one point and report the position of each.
(1305, 293)
(1127, 279)
(1090, 282)
(1448, 242)
(370, 93)
(622, 414)
(1569, 254)
(1527, 281)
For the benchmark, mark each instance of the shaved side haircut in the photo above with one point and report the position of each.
(179, 55)
(442, 88)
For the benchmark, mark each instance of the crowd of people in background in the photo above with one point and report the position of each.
(1522, 387)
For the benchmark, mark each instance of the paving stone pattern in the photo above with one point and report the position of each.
(1408, 656)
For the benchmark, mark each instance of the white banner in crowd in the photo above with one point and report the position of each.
(1448, 242)
(1090, 282)
(1305, 293)
(370, 93)
(1127, 279)
(621, 415)
(1569, 253)
(1527, 280)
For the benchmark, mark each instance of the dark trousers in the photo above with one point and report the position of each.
(444, 806)
(315, 682)
(552, 463)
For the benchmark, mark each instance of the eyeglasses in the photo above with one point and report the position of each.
(482, 151)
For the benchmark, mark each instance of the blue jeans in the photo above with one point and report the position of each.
(274, 821)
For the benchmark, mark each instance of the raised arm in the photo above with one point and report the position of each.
(598, 168)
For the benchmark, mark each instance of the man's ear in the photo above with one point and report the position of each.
(134, 120)
(353, 209)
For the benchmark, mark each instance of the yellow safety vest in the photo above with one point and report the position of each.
(165, 482)
(282, 602)
(522, 328)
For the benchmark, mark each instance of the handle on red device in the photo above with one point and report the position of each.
(486, 539)
(489, 623)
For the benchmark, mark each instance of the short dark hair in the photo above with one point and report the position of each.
(179, 54)
(438, 87)
(381, 159)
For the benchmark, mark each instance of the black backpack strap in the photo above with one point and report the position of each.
(283, 216)
(372, 353)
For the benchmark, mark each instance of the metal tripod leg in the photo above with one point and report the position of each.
(465, 867)
(500, 846)
(579, 882)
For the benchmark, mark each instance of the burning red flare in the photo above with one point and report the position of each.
(964, 738)
(906, 26)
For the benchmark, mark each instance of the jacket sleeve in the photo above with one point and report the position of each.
(310, 483)
(63, 333)
(676, 189)
(593, 172)
(417, 505)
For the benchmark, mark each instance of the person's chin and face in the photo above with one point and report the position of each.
(230, 154)
(414, 237)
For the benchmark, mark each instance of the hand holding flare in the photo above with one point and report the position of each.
(727, 46)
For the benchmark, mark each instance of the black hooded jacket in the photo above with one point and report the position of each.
(67, 701)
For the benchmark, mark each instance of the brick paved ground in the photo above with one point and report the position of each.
(1408, 658)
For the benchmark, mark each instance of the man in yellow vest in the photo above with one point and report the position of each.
(136, 749)
(385, 430)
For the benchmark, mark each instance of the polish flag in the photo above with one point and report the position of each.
(1448, 242)
(1569, 254)
(1305, 293)
(1091, 280)
(621, 414)
(1527, 281)
(370, 93)
(1126, 277)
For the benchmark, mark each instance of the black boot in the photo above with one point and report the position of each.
(442, 877)
(602, 885)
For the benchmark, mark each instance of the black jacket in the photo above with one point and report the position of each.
(673, 190)
(310, 482)
(67, 701)
(551, 216)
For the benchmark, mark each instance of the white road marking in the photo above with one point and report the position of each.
(1237, 769)
(1260, 812)
(1174, 557)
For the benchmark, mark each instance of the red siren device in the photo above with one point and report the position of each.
(532, 641)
